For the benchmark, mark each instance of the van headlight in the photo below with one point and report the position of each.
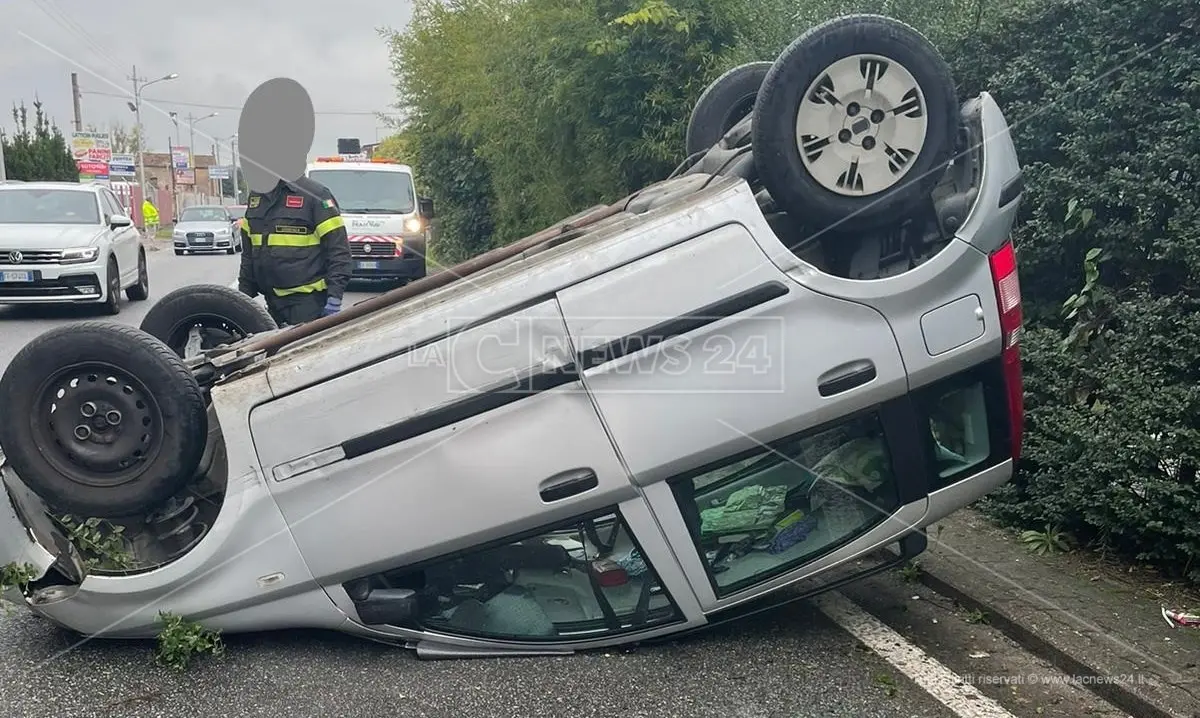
(79, 255)
(412, 224)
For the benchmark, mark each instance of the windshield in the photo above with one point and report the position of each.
(204, 214)
(48, 206)
(369, 191)
(237, 212)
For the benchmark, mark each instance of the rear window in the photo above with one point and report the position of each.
(967, 424)
(369, 191)
(203, 214)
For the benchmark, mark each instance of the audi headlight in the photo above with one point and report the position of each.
(412, 224)
(224, 233)
(79, 255)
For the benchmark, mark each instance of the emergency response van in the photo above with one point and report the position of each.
(387, 223)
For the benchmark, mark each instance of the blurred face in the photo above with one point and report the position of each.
(275, 133)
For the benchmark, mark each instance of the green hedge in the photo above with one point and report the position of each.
(1105, 102)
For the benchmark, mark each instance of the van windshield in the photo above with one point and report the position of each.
(369, 191)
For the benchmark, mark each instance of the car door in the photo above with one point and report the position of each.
(471, 458)
(123, 246)
(467, 439)
(754, 414)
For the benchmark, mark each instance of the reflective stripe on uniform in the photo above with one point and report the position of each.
(329, 225)
(292, 240)
(317, 286)
(256, 240)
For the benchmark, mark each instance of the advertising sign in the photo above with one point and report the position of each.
(91, 146)
(185, 176)
(220, 172)
(123, 166)
(181, 158)
(89, 171)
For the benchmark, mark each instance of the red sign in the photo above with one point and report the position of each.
(87, 167)
(295, 201)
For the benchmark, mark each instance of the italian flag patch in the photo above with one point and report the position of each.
(328, 204)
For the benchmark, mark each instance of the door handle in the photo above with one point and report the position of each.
(846, 377)
(568, 484)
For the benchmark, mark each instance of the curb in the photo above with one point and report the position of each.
(1112, 691)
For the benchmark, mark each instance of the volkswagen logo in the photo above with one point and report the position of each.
(366, 248)
(15, 257)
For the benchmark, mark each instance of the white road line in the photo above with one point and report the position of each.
(927, 672)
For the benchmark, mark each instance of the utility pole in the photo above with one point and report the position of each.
(3, 169)
(75, 101)
(139, 84)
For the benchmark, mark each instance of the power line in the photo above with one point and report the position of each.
(209, 106)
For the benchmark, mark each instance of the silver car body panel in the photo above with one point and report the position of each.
(309, 505)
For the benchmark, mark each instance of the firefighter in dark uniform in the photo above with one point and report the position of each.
(295, 251)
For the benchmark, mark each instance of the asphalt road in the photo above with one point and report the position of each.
(795, 661)
(19, 324)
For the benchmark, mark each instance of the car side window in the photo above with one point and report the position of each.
(116, 203)
(110, 206)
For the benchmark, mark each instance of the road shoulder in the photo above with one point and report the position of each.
(1095, 622)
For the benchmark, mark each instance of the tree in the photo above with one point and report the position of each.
(39, 152)
(570, 104)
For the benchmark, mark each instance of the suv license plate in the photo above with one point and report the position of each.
(16, 277)
(368, 265)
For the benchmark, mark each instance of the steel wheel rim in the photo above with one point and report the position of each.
(214, 331)
(860, 125)
(97, 425)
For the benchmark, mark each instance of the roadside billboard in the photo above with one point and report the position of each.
(122, 166)
(185, 177)
(181, 158)
(92, 171)
(91, 147)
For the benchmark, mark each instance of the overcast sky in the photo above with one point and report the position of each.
(222, 50)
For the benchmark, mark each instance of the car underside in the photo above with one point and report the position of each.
(707, 398)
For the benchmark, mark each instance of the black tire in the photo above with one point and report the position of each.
(231, 250)
(145, 457)
(112, 277)
(224, 315)
(777, 147)
(140, 292)
(724, 103)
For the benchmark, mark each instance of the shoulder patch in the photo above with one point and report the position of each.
(329, 204)
(294, 201)
(254, 201)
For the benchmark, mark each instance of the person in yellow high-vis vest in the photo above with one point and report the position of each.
(149, 218)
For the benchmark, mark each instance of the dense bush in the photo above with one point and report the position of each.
(1105, 98)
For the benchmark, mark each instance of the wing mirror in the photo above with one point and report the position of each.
(116, 221)
(425, 207)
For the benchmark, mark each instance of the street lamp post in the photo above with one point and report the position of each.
(139, 84)
(192, 143)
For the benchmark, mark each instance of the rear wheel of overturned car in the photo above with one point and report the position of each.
(102, 420)
(205, 316)
(855, 123)
(724, 103)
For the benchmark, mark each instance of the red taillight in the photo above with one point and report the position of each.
(1008, 300)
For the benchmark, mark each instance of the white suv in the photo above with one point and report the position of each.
(64, 242)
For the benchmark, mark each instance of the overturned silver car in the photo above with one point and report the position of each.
(751, 382)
